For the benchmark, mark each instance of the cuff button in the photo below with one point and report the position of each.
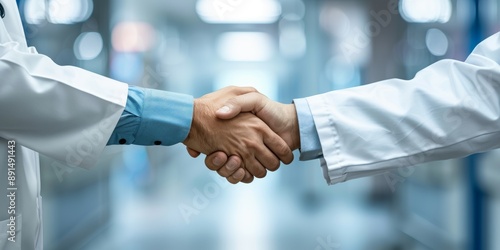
(157, 143)
(122, 141)
(2, 11)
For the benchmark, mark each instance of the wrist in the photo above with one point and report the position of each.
(193, 134)
(294, 127)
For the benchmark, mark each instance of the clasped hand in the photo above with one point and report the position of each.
(243, 133)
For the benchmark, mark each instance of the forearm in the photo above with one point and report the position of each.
(450, 109)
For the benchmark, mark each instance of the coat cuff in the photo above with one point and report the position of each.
(310, 146)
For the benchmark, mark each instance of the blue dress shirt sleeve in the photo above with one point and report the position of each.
(310, 146)
(153, 117)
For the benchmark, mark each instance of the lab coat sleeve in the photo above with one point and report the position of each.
(450, 109)
(63, 112)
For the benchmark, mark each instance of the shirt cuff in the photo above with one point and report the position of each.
(310, 146)
(154, 117)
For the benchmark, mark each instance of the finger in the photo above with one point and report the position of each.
(255, 167)
(267, 158)
(237, 176)
(278, 146)
(248, 177)
(216, 160)
(231, 166)
(251, 102)
(243, 90)
(193, 153)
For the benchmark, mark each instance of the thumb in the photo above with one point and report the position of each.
(251, 102)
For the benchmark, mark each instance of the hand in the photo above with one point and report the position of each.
(246, 137)
(280, 117)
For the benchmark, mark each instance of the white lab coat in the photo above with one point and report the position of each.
(450, 109)
(65, 113)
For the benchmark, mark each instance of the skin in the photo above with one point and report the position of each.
(250, 144)
(281, 118)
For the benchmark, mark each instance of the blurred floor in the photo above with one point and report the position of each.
(261, 216)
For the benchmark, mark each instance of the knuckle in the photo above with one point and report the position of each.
(239, 174)
(274, 166)
(232, 102)
(252, 89)
(261, 129)
(283, 150)
(229, 171)
(251, 144)
(248, 180)
(232, 167)
(213, 168)
(232, 180)
(244, 90)
(235, 160)
(261, 173)
(210, 165)
(245, 156)
(222, 172)
(289, 160)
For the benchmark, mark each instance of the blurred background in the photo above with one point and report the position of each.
(159, 198)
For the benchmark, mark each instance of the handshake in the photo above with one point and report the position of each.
(243, 133)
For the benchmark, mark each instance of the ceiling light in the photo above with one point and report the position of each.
(238, 11)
